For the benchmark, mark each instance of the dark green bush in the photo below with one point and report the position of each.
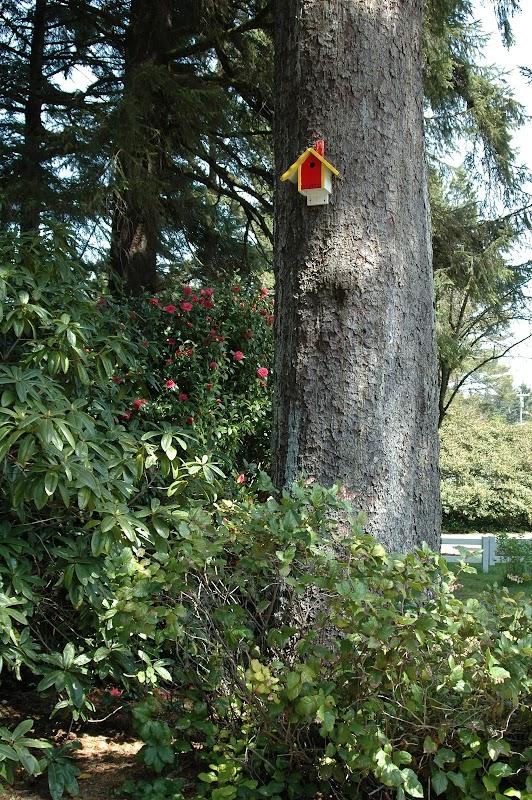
(486, 471)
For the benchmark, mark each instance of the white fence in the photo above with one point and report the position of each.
(483, 548)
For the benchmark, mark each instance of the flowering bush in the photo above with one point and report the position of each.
(203, 360)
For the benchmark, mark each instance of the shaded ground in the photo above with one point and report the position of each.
(106, 757)
(105, 764)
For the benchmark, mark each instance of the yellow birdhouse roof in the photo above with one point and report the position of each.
(291, 172)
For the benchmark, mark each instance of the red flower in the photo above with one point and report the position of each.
(101, 301)
(154, 301)
(168, 362)
(208, 292)
(187, 290)
(263, 312)
(170, 383)
(116, 379)
(218, 401)
(208, 304)
(139, 403)
(209, 386)
(190, 420)
(114, 692)
(194, 298)
(170, 341)
(264, 292)
(241, 478)
(183, 396)
(186, 306)
(126, 415)
(269, 319)
(170, 308)
(213, 365)
(189, 325)
(262, 372)
(238, 356)
(189, 351)
(237, 289)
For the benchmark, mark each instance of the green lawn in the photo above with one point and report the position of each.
(475, 583)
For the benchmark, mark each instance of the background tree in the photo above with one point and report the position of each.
(478, 292)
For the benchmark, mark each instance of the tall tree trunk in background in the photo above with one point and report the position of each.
(31, 167)
(356, 392)
(136, 215)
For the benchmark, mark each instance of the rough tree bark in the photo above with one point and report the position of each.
(136, 215)
(356, 383)
(31, 167)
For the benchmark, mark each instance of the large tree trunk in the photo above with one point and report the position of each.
(31, 168)
(356, 385)
(136, 215)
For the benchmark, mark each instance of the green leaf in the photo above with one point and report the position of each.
(412, 786)
(439, 782)
(429, 745)
(458, 779)
(28, 761)
(499, 674)
(56, 781)
(68, 655)
(444, 756)
(500, 770)
(22, 728)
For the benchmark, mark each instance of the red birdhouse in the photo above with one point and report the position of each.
(313, 174)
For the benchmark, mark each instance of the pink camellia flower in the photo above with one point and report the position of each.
(154, 301)
(213, 365)
(241, 478)
(190, 420)
(114, 692)
(170, 341)
(185, 306)
(237, 289)
(208, 292)
(183, 396)
(264, 292)
(168, 362)
(218, 401)
(170, 308)
(189, 325)
(187, 290)
(189, 351)
(194, 298)
(208, 304)
(139, 403)
(170, 383)
(238, 356)
(208, 386)
(262, 372)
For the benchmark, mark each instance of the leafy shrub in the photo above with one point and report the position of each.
(517, 553)
(486, 470)
(102, 477)
(309, 661)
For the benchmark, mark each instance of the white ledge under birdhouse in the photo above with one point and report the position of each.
(313, 175)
